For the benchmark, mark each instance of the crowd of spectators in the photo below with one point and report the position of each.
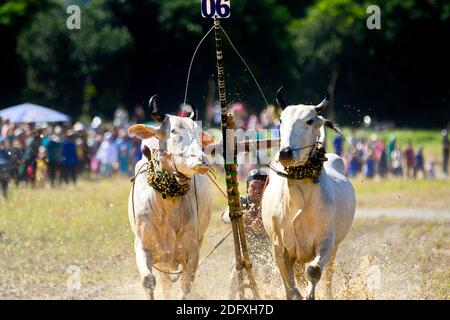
(370, 157)
(376, 157)
(34, 154)
(57, 154)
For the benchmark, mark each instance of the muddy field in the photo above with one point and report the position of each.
(75, 243)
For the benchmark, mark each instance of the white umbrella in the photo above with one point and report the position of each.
(28, 112)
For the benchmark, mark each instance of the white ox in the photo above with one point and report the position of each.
(306, 221)
(169, 231)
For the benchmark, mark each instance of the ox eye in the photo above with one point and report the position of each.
(310, 122)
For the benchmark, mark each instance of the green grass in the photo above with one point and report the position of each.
(45, 231)
(392, 192)
(419, 193)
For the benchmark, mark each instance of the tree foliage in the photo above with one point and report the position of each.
(63, 64)
(128, 50)
(387, 73)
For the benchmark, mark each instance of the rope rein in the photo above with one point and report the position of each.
(239, 55)
(246, 65)
(192, 61)
(218, 187)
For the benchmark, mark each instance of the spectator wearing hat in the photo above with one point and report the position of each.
(107, 155)
(41, 167)
(251, 203)
(258, 242)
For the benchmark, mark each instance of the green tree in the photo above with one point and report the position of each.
(98, 46)
(323, 38)
(68, 68)
(400, 69)
(15, 13)
(45, 48)
(15, 16)
(258, 28)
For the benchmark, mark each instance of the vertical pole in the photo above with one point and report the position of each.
(230, 163)
(221, 84)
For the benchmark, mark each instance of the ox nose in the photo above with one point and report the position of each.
(201, 167)
(285, 154)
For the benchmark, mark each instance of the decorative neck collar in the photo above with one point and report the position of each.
(163, 181)
(311, 169)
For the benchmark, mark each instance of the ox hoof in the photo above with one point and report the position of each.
(294, 295)
(310, 297)
(313, 273)
(149, 283)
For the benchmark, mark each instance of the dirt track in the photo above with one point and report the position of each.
(389, 254)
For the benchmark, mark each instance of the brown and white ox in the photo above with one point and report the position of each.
(169, 230)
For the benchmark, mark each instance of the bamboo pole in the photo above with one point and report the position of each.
(230, 164)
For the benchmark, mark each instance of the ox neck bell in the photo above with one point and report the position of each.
(163, 181)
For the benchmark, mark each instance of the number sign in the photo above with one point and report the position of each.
(216, 8)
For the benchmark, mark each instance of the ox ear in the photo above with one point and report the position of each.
(330, 124)
(142, 131)
(318, 122)
(207, 139)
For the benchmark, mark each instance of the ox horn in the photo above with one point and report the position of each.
(280, 99)
(156, 115)
(194, 114)
(323, 104)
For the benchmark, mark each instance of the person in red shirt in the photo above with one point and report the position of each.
(409, 159)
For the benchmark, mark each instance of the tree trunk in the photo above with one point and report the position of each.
(330, 109)
(330, 89)
(89, 92)
(210, 102)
